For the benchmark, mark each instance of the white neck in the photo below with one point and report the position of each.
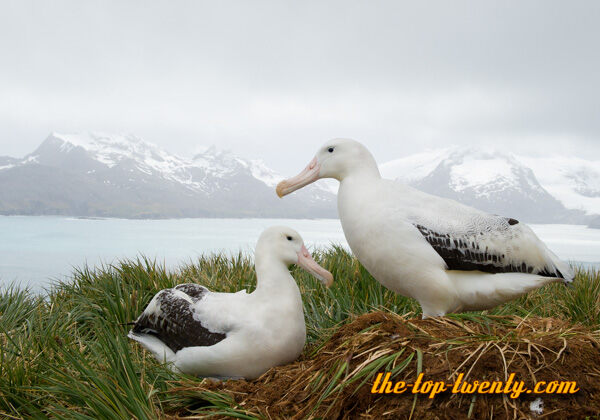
(366, 169)
(366, 173)
(272, 275)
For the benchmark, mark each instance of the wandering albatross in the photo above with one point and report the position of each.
(234, 335)
(448, 256)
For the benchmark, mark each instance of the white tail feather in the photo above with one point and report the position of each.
(564, 268)
(478, 291)
(160, 350)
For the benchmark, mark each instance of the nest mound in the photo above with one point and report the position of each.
(335, 380)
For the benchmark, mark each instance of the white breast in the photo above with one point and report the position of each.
(382, 240)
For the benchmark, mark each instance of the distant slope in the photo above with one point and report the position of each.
(6, 162)
(492, 181)
(123, 176)
(573, 181)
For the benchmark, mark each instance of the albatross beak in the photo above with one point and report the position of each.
(308, 175)
(306, 261)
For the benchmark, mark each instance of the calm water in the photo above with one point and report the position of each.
(36, 250)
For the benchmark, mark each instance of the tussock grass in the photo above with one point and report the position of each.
(66, 354)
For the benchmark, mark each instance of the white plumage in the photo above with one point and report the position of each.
(448, 256)
(234, 335)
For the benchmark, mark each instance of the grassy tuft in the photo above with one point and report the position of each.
(66, 354)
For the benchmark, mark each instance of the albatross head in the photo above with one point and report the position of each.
(287, 245)
(336, 159)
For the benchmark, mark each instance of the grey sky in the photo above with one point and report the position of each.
(275, 79)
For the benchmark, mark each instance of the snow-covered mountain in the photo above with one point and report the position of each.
(124, 176)
(575, 182)
(541, 190)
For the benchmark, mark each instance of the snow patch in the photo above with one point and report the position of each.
(414, 167)
(261, 172)
(31, 159)
(474, 172)
(575, 182)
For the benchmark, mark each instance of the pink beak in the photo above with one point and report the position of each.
(308, 175)
(306, 261)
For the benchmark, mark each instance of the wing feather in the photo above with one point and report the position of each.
(170, 317)
(492, 244)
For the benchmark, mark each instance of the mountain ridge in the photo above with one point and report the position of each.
(493, 181)
(121, 175)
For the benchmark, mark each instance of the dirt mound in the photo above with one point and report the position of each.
(335, 380)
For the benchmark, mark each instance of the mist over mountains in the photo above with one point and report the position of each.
(98, 175)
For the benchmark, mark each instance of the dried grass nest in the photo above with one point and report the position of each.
(334, 381)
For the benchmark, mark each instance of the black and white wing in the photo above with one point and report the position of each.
(170, 317)
(468, 239)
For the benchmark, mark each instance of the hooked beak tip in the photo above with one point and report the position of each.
(309, 175)
(279, 189)
(306, 261)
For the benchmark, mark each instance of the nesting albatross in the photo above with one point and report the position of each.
(234, 335)
(448, 256)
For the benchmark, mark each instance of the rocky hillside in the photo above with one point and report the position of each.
(123, 176)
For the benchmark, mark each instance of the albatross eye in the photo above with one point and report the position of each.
(289, 238)
(330, 150)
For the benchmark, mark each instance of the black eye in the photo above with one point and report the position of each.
(289, 238)
(330, 150)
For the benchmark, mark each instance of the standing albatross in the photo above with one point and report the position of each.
(234, 335)
(448, 256)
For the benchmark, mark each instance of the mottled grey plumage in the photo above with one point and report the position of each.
(486, 244)
(170, 318)
(462, 251)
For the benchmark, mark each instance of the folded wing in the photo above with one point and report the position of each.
(490, 244)
(171, 318)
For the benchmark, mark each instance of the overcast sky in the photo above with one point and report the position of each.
(275, 79)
